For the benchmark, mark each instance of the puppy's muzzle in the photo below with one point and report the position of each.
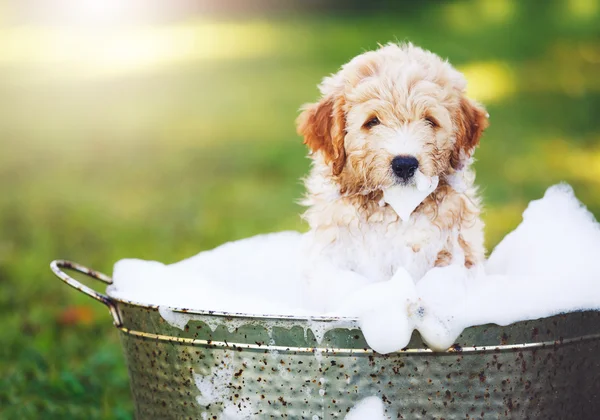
(405, 167)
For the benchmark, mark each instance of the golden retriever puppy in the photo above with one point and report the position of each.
(383, 117)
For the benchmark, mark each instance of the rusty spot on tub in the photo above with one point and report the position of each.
(509, 404)
(456, 348)
(534, 333)
(482, 376)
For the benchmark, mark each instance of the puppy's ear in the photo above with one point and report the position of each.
(470, 122)
(323, 126)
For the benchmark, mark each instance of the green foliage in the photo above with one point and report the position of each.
(164, 159)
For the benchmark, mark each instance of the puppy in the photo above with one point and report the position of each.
(383, 116)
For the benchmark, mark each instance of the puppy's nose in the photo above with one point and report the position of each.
(405, 166)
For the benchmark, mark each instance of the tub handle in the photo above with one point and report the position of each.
(56, 266)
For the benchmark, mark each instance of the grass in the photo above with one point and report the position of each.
(169, 140)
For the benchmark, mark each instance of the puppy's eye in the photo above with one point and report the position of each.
(372, 122)
(432, 122)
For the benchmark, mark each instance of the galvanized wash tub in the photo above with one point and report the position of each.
(225, 366)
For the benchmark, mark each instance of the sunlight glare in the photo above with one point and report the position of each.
(473, 15)
(583, 9)
(489, 81)
(94, 11)
(83, 53)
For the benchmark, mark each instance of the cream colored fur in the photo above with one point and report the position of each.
(420, 102)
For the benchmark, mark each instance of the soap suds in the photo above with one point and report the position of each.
(404, 199)
(370, 408)
(173, 318)
(256, 275)
(214, 386)
(382, 309)
(239, 411)
(544, 267)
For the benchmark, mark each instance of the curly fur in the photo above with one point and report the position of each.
(420, 102)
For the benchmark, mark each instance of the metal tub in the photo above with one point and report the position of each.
(235, 366)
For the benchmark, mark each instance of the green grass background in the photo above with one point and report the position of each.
(180, 136)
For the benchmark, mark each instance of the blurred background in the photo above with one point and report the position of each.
(156, 129)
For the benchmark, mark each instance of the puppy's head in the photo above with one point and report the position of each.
(388, 113)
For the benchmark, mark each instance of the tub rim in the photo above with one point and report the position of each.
(112, 304)
(110, 301)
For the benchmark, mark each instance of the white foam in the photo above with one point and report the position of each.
(214, 386)
(558, 236)
(173, 318)
(546, 266)
(256, 275)
(382, 309)
(243, 410)
(404, 199)
(370, 408)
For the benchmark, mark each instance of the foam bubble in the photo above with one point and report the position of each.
(370, 408)
(404, 199)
